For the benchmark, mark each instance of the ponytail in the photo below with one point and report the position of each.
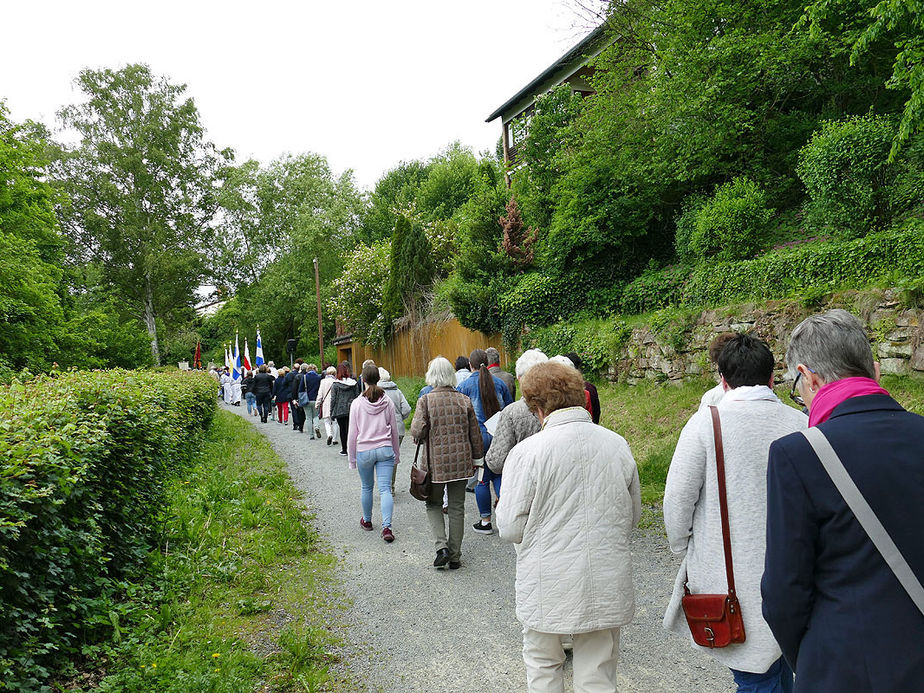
(371, 377)
(488, 392)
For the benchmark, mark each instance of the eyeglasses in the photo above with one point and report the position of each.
(794, 393)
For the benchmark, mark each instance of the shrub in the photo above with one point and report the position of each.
(597, 342)
(847, 176)
(86, 458)
(813, 267)
(686, 226)
(654, 289)
(731, 224)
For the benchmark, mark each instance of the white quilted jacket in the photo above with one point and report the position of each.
(569, 501)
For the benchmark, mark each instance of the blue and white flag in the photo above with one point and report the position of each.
(236, 367)
(259, 359)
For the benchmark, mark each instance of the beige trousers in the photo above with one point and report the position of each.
(595, 656)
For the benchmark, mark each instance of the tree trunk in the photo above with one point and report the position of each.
(149, 319)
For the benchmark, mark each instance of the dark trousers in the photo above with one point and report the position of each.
(344, 423)
(264, 405)
(298, 418)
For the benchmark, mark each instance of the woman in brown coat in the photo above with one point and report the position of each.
(446, 426)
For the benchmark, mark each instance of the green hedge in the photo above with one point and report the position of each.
(811, 268)
(84, 462)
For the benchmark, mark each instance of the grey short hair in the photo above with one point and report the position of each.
(564, 360)
(303, 368)
(384, 376)
(493, 355)
(368, 362)
(833, 344)
(528, 359)
(441, 373)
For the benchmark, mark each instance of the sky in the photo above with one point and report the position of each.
(366, 84)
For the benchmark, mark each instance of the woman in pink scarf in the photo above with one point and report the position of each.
(842, 619)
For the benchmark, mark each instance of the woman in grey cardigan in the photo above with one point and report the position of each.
(447, 428)
(752, 417)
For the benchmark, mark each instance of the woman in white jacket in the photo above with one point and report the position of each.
(571, 498)
(323, 404)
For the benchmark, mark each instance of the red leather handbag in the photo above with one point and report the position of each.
(715, 619)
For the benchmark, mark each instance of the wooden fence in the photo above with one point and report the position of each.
(409, 351)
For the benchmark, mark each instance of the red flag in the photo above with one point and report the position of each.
(197, 362)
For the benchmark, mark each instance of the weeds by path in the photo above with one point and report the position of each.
(239, 598)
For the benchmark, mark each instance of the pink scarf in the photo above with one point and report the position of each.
(831, 395)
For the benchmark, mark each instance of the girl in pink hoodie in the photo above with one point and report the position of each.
(372, 446)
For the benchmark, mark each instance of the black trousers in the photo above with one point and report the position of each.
(298, 418)
(344, 423)
(264, 405)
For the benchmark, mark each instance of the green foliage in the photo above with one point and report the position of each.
(670, 326)
(731, 224)
(411, 270)
(87, 461)
(812, 267)
(846, 172)
(237, 551)
(686, 228)
(395, 192)
(597, 342)
(653, 289)
(358, 294)
(141, 189)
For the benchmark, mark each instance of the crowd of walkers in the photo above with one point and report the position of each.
(798, 527)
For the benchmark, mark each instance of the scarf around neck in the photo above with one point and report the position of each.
(833, 394)
(750, 393)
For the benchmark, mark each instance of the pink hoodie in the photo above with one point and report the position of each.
(372, 425)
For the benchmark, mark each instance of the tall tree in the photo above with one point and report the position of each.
(142, 188)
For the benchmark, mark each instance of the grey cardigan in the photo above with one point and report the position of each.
(516, 423)
(692, 518)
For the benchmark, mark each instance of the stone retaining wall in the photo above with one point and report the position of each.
(681, 350)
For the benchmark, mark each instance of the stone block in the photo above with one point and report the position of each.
(917, 359)
(895, 350)
(892, 366)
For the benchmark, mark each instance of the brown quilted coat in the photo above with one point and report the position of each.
(447, 418)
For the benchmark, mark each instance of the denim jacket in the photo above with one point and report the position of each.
(469, 387)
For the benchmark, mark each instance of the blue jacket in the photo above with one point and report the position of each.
(840, 616)
(283, 388)
(312, 381)
(469, 387)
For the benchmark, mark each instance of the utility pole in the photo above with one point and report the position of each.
(317, 290)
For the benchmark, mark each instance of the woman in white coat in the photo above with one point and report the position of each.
(323, 405)
(571, 498)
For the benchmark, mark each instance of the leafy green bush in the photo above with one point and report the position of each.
(686, 226)
(731, 224)
(86, 459)
(812, 267)
(654, 289)
(846, 172)
(595, 341)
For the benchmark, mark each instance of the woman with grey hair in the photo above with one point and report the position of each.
(516, 422)
(323, 405)
(446, 427)
(842, 619)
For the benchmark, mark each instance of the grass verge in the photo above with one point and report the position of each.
(240, 597)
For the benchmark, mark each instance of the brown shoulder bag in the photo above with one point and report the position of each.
(421, 483)
(715, 619)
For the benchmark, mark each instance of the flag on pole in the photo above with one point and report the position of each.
(227, 360)
(197, 361)
(247, 356)
(236, 367)
(259, 350)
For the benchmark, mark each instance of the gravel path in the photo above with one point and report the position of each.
(413, 628)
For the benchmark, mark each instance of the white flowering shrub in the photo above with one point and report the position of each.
(358, 293)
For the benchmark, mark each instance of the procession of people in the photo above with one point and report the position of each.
(784, 574)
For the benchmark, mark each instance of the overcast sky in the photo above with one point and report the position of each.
(364, 83)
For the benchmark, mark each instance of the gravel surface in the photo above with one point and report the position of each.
(414, 628)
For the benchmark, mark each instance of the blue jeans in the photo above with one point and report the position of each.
(777, 679)
(251, 401)
(377, 465)
(483, 491)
